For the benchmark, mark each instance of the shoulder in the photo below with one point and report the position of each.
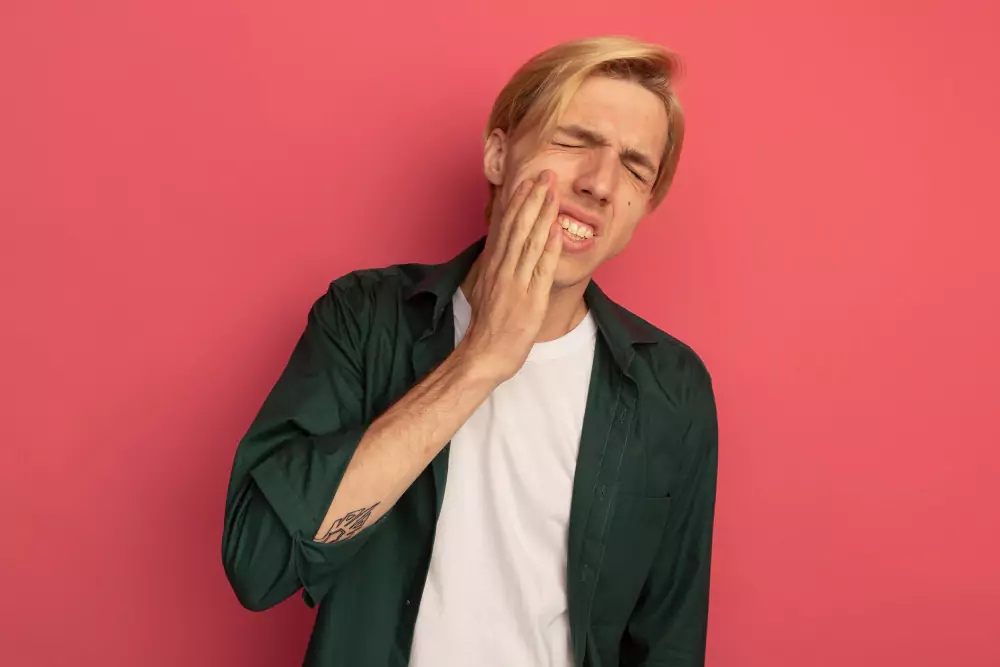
(671, 365)
(362, 294)
(678, 416)
(363, 288)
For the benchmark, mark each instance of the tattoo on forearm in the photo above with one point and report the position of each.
(345, 527)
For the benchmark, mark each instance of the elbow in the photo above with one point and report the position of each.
(252, 600)
(253, 593)
(257, 554)
(257, 566)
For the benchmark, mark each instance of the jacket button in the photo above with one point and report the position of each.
(407, 603)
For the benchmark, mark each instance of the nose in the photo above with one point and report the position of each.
(599, 176)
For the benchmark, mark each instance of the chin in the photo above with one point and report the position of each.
(568, 275)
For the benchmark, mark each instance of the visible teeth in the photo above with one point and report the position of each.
(574, 229)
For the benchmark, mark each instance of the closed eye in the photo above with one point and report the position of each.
(638, 177)
(630, 169)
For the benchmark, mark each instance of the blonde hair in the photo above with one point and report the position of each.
(539, 92)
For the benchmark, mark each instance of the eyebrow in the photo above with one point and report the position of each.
(594, 138)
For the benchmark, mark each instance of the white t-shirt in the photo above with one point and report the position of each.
(495, 594)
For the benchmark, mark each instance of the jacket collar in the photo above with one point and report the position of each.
(619, 328)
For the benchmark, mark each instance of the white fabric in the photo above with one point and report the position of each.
(495, 594)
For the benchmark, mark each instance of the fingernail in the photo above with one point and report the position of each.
(548, 196)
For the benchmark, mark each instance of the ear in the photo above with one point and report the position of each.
(495, 156)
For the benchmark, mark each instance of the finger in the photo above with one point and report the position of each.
(534, 245)
(499, 231)
(496, 239)
(545, 269)
(523, 222)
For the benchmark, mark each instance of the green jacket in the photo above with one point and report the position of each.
(640, 528)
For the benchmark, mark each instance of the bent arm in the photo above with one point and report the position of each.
(310, 479)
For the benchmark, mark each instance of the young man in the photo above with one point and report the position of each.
(579, 442)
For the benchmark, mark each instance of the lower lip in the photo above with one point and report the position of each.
(572, 245)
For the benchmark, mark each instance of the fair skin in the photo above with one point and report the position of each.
(591, 180)
(528, 284)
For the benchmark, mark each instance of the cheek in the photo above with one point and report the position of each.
(561, 164)
(628, 213)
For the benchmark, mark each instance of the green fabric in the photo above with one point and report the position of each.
(640, 530)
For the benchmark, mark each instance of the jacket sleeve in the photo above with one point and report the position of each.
(668, 627)
(288, 466)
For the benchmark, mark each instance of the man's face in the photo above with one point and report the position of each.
(605, 153)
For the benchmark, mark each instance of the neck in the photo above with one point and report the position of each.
(566, 310)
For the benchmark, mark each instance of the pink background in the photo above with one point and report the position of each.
(179, 182)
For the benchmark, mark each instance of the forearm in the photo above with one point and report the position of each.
(402, 442)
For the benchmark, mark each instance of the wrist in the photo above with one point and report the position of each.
(474, 369)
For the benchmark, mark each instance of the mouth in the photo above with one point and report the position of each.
(578, 226)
